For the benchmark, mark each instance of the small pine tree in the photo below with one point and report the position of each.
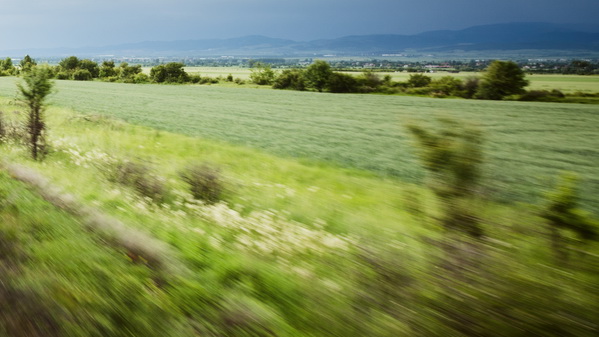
(34, 92)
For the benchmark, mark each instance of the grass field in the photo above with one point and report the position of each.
(298, 247)
(528, 144)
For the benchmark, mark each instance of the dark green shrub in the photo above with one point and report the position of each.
(342, 83)
(204, 182)
(82, 75)
(419, 80)
(290, 79)
(542, 96)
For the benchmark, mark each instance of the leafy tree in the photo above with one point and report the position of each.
(447, 86)
(370, 79)
(419, 80)
(91, 67)
(70, 63)
(502, 78)
(318, 75)
(262, 74)
(127, 72)
(27, 63)
(342, 83)
(7, 67)
(107, 69)
(82, 75)
(34, 91)
(290, 79)
(172, 72)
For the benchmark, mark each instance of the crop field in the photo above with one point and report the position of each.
(317, 230)
(527, 144)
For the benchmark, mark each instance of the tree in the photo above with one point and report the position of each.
(82, 75)
(502, 78)
(419, 80)
(70, 63)
(27, 63)
(90, 66)
(290, 79)
(318, 74)
(262, 74)
(342, 83)
(172, 72)
(107, 69)
(6, 67)
(34, 91)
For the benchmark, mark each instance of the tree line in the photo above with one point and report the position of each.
(500, 79)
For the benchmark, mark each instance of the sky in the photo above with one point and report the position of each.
(79, 23)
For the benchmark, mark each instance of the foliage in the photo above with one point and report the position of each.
(562, 212)
(169, 73)
(204, 182)
(27, 63)
(501, 78)
(447, 86)
(82, 75)
(69, 64)
(140, 177)
(342, 83)
(127, 73)
(542, 96)
(290, 79)
(107, 69)
(318, 75)
(419, 80)
(452, 155)
(34, 92)
(91, 67)
(262, 74)
(7, 68)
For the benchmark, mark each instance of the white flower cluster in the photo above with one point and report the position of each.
(80, 157)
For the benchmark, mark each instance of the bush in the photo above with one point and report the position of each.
(141, 78)
(82, 75)
(542, 96)
(204, 182)
(342, 83)
(290, 79)
(140, 177)
(419, 80)
(63, 75)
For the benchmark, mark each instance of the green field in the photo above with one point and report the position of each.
(317, 233)
(528, 144)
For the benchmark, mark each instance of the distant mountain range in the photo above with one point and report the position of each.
(506, 37)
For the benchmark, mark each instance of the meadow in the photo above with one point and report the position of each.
(319, 231)
(527, 144)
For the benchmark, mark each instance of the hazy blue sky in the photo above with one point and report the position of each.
(76, 23)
